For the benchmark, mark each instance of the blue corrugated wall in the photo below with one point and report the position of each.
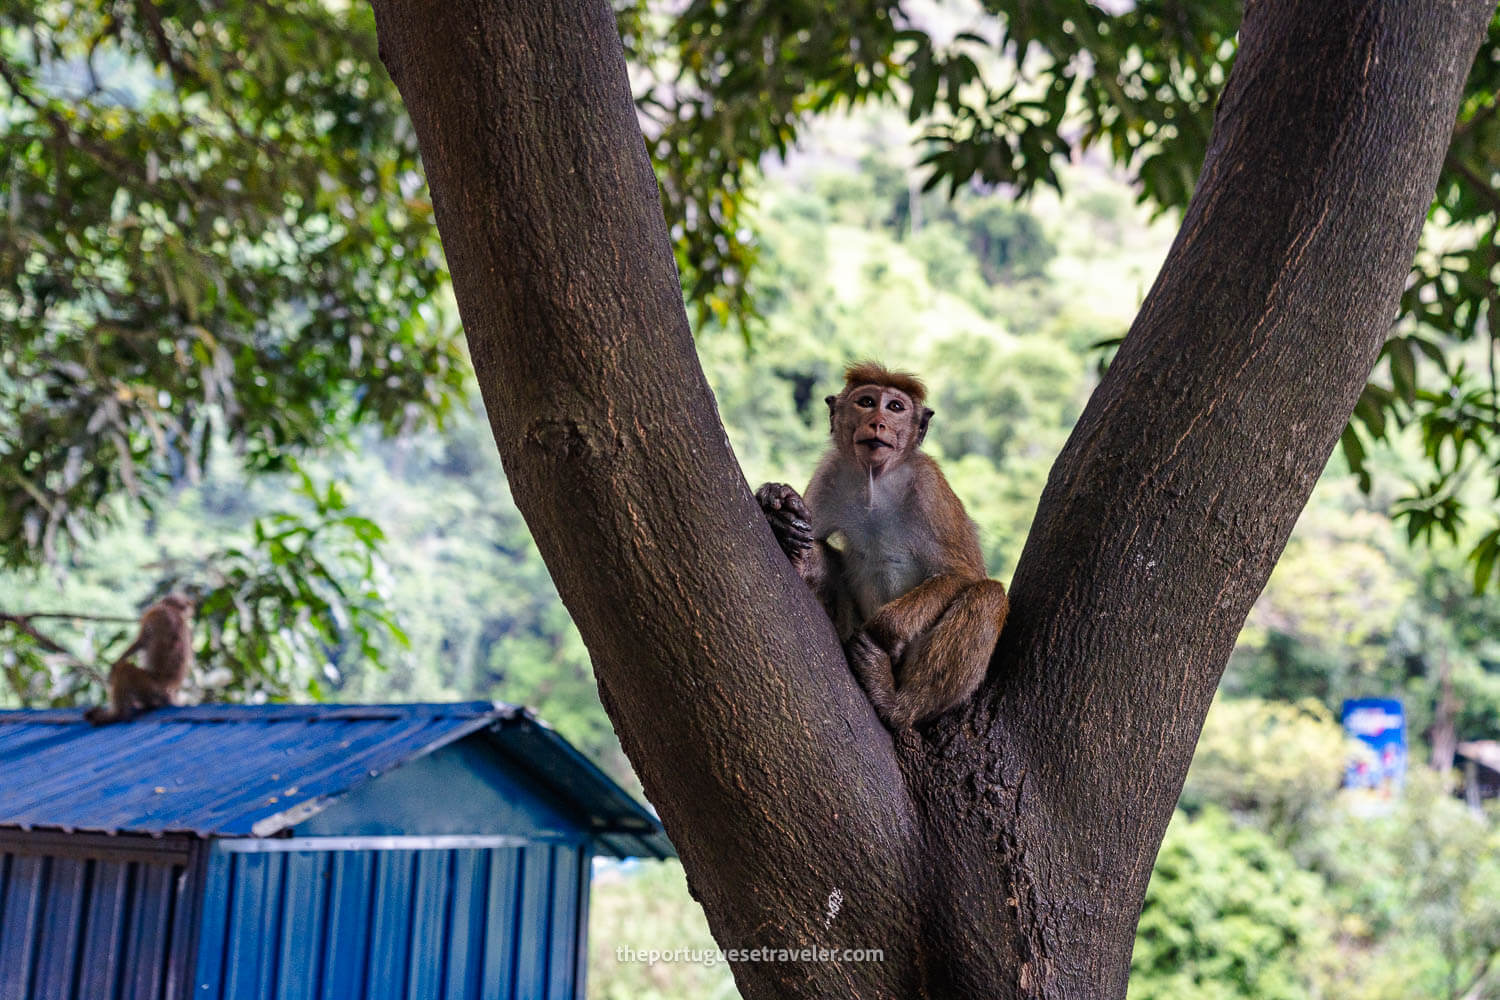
(107, 925)
(501, 923)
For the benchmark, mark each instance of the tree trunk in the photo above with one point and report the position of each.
(1003, 852)
(1443, 736)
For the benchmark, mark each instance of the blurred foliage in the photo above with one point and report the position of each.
(1001, 93)
(1274, 763)
(1336, 902)
(1352, 611)
(723, 83)
(215, 232)
(1324, 626)
(642, 906)
(1227, 914)
(1418, 895)
(218, 270)
(273, 618)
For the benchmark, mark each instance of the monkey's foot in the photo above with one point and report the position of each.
(787, 514)
(873, 669)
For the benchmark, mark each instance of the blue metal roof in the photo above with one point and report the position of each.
(258, 770)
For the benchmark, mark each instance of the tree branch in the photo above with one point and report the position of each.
(1184, 476)
(720, 671)
(1005, 852)
(22, 623)
(181, 72)
(8, 74)
(69, 615)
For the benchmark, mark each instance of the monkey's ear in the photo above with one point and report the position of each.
(922, 423)
(833, 409)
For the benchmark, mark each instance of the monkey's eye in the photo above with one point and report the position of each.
(895, 406)
(865, 401)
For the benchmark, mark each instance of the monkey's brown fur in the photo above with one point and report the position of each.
(906, 586)
(165, 643)
(872, 373)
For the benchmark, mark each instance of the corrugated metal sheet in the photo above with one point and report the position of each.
(468, 924)
(622, 826)
(89, 920)
(241, 770)
(211, 770)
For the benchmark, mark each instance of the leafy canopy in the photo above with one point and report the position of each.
(215, 244)
(1004, 93)
(215, 236)
(215, 229)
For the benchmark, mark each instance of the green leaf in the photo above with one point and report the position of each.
(924, 78)
(1403, 369)
(1484, 557)
(1354, 454)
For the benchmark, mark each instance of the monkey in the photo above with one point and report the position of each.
(165, 644)
(890, 552)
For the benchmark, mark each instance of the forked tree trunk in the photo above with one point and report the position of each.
(1005, 852)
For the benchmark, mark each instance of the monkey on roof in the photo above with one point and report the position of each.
(886, 545)
(165, 645)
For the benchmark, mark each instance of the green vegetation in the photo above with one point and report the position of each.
(1228, 914)
(227, 343)
(1267, 886)
(216, 257)
(643, 907)
(1002, 93)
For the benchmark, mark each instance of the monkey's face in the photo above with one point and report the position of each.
(878, 425)
(180, 603)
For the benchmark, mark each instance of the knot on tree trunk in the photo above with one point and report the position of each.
(561, 438)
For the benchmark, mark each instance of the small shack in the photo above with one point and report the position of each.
(326, 852)
(1480, 761)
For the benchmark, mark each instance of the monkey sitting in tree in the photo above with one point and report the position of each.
(165, 645)
(905, 585)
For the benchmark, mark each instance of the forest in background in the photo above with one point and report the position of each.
(1269, 884)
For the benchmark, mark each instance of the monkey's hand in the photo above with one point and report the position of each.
(790, 522)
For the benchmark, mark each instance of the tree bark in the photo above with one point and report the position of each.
(1004, 851)
(1443, 736)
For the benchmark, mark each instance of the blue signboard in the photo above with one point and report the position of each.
(1379, 724)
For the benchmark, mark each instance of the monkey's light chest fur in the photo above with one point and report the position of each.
(888, 545)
